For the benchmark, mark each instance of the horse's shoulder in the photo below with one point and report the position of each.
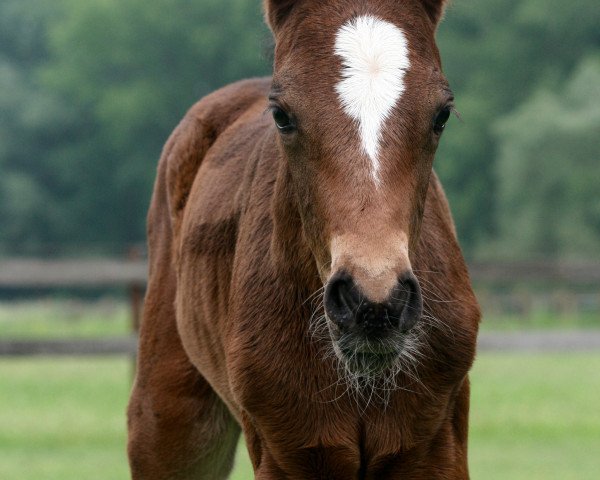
(198, 131)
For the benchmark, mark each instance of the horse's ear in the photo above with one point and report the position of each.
(435, 9)
(276, 11)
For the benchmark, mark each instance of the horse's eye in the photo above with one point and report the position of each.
(440, 120)
(282, 120)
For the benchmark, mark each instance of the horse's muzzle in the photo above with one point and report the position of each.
(355, 315)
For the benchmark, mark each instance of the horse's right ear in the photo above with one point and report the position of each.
(276, 11)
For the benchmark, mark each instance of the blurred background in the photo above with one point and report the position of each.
(89, 92)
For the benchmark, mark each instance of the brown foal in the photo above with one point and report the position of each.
(306, 286)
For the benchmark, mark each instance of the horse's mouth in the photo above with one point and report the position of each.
(364, 356)
(369, 362)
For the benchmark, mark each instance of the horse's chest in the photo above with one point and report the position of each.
(301, 447)
(314, 431)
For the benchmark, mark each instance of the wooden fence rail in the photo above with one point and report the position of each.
(69, 347)
(541, 341)
(128, 273)
(36, 273)
(572, 273)
(132, 273)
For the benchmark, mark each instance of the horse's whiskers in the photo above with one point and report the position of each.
(369, 384)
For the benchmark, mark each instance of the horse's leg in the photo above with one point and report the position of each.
(178, 426)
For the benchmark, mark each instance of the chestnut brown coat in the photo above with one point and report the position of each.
(253, 222)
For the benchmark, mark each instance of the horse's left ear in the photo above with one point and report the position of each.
(435, 9)
(276, 11)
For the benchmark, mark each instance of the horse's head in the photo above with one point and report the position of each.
(360, 102)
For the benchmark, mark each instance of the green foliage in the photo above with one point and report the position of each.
(30, 120)
(497, 54)
(89, 101)
(89, 92)
(131, 70)
(548, 170)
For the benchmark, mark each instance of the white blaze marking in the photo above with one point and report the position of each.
(374, 58)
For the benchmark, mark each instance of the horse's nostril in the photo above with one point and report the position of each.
(407, 302)
(342, 300)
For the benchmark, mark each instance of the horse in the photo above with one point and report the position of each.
(306, 286)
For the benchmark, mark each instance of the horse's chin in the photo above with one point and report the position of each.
(367, 357)
(369, 364)
(369, 360)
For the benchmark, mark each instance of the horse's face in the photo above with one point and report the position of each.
(360, 102)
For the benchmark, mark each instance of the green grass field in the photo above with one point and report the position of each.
(533, 417)
(60, 318)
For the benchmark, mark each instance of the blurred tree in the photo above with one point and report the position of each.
(496, 54)
(89, 92)
(129, 71)
(31, 121)
(548, 171)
